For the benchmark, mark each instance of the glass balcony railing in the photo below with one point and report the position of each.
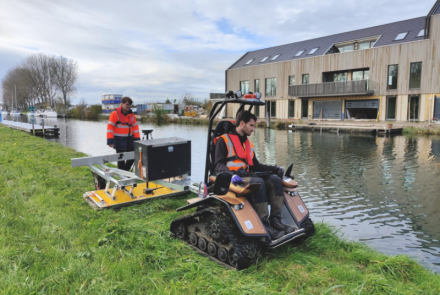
(346, 88)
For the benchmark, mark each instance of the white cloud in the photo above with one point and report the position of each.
(159, 49)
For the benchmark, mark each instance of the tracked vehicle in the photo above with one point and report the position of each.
(225, 227)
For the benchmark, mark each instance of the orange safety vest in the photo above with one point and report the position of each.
(239, 156)
(119, 130)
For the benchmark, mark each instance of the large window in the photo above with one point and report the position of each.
(244, 87)
(305, 79)
(391, 107)
(291, 108)
(415, 75)
(304, 107)
(291, 80)
(335, 77)
(414, 106)
(360, 75)
(392, 77)
(273, 108)
(356, 45)
(346, 48)
(271, 87)
(257, 86)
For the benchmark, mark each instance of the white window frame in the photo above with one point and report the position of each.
(275, 57)
(401, 38)
(313, 50)
(299, 53)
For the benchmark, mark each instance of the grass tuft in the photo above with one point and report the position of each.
(431, 130)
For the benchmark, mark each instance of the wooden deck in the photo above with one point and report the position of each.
(375, 129)
(36, 130)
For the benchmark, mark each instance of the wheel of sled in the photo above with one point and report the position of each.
(180, 231)
(202, 244)
(212, 249)
(233, 258)
(222, 254)
(98, 181)
(193, 239)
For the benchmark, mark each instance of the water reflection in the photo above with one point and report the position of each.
(380, 190)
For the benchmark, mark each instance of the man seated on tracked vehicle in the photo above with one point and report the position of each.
(234, 153)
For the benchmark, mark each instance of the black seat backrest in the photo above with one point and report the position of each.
(221, 128)
(222, 182)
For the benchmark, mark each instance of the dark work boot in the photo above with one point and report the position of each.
(275, 222)
(274, 234)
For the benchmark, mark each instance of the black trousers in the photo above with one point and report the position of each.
(124, 165)
(271, 192)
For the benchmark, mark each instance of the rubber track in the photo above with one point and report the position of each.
(246, 249)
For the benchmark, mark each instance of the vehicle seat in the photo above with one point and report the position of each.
(221, 128)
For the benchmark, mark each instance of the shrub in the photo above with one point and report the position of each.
(93, 112)
(280, 125)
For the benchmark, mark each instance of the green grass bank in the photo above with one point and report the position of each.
(52, 242)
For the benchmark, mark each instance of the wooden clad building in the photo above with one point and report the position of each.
(390, 72)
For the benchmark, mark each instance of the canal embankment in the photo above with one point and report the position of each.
(347, 126)
(52, 242)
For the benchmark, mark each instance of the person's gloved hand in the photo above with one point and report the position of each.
(280, 172)
(236, 180)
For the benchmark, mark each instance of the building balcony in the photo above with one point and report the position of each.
(346, 88)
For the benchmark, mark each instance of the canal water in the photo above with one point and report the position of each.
(383, 191)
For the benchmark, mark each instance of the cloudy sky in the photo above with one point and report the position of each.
(153, 50)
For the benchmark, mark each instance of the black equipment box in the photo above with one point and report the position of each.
(162, 158)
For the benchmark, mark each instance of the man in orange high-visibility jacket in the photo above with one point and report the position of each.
(234, 153)
(122, 131)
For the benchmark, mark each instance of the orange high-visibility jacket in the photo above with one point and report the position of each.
(239, 156)
(122, 130)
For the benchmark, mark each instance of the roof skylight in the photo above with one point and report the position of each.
(313, 50)
(264, 59)
(275, 57)
(401, 36)
(299, 52)
(421, 33)
(249, 61)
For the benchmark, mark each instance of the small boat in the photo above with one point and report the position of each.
(49, 113)
(4, 112)
(15, 113)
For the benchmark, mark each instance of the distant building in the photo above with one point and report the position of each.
(389, 72)
(169, 108)
(110, 102)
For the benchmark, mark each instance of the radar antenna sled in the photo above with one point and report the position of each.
(161, 170)
(225, 227)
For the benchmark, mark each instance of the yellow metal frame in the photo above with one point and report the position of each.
(99, 199)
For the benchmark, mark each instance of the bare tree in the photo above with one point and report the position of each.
(42, 75)
(15, 89)
(65, 76)
(38, 80)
